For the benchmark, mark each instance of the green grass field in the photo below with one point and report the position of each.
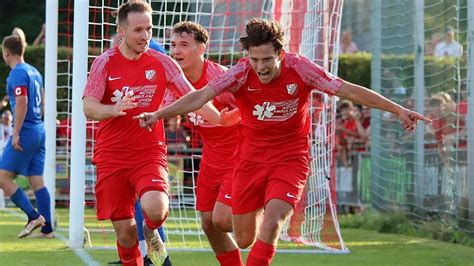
(367, 248)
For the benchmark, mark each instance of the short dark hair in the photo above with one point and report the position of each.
(261, 31)
(131, 7)
(14, 44)
(346, 104)
(199, 33)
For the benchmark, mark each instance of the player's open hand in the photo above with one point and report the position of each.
(147, 120)
(410, 118)
(16, 143)
(229, 118)
(124, 104)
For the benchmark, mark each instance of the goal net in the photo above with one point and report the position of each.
(312, 29)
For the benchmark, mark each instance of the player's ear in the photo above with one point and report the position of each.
(281, 54)
(120, 30)
(202, 48)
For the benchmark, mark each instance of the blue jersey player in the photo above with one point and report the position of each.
(25, 151)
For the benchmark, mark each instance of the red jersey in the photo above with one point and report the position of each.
(219, 143)
(111, 77)
(275, 117)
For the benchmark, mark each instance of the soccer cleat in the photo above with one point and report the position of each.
(147, 261)
(167, 261)
(42, 235)
(156, 250)
(32, 225)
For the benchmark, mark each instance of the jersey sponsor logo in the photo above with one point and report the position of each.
(149, 74)
(290, 195)
(227, 196)
(291, 88)
(156, 180)
(279, 111)
(114, 78)
(117, 96)
(142, 95)
(195, 118)
(264, 111)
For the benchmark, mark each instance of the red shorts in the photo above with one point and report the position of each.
(213, 184)
(255, 183)
(118, 186)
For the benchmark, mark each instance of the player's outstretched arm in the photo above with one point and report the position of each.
(225, 118)
(364, 96)
(95, 110)
(188, 103)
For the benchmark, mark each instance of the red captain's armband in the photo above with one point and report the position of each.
(20, 91)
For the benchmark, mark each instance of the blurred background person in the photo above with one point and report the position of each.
(449, 46)
(347, 46)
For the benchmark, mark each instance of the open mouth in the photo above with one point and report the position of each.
(142, 45)
(264, 75)
(178, 59)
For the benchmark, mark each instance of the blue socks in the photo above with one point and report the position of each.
(20, 200)
(162, 233)
(139, 219)
(43, 203)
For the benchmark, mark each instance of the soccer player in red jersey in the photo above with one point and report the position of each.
(214, 183)
(271, 88)
(125, 81)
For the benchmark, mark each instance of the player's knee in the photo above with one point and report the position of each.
(207, 225)
(245, 239)
(127, 237)
(223, 223)
(271, 225)
(5, 180)
(245, 242)
(36, 182)
(155, 215)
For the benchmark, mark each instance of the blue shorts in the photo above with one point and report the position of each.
(30, 161)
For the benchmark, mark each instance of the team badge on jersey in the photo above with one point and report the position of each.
(291, 88)
(150, 74)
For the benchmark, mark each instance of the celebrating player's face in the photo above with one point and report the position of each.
(185, 50)
(136, 33)
(265, 62)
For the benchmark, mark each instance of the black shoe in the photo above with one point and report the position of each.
(147, 261)
(115, 262)
(167, 261)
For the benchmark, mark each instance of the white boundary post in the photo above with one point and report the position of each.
(419, 178)
(470, 109)
(376, 85)
(50, 108)
(78, 138)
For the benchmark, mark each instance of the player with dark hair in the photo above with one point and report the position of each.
(214, 183)
(271, 88)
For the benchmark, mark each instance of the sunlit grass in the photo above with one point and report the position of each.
(367, 248)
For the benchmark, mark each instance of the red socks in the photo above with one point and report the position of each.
(261, 254)
(231, 258)
(130, 256)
